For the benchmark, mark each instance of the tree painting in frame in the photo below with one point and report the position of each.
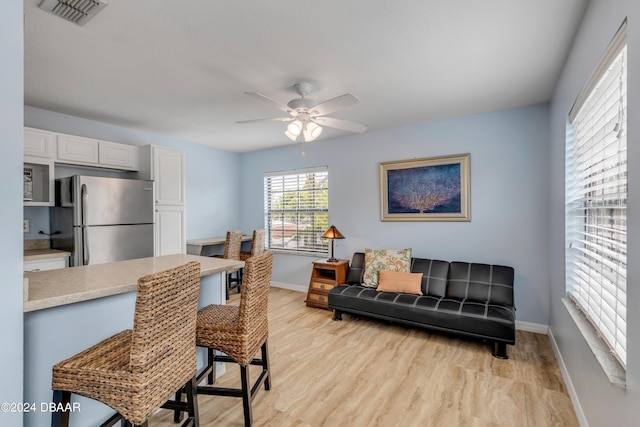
(430, 189)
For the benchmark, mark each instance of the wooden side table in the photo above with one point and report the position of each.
(324, 277)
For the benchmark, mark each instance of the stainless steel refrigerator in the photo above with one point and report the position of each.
(102, 219)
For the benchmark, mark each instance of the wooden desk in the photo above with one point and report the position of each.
(194, 246)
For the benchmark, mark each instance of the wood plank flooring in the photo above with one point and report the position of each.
(362, 372)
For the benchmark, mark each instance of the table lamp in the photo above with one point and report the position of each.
(332, 233)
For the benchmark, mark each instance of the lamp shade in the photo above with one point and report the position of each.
(291, 136)
(295, 127)
(311, 131)
(333, 233)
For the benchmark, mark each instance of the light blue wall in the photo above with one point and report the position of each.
(600, 403)
(509, 204)
(11, 99)
(212, 181)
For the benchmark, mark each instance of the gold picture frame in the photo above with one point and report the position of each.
(428, 189)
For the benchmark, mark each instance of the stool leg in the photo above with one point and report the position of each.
(265, 365)
(177, 414)
(246, 395)
(211, 361)
(60, 418)
(192, 401)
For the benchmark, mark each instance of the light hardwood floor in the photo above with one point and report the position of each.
(362, 372)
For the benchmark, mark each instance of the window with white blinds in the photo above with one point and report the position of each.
(297, 210)
(596, 199)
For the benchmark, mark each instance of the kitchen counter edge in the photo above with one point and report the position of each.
(54, 288)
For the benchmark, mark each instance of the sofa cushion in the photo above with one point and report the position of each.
(399, 281)
(356, 269)
(384, 259)
(434, 275)
(481, 282)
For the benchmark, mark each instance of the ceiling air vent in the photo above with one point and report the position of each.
(77, 11)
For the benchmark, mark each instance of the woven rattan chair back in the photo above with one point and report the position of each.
(254, 296)
(257, 242)
(136, 372)
(163, 344)
(232, 245)
(240, 332)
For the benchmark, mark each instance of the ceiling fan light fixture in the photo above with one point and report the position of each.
(291, 136)
(312, 131)
(294, 128)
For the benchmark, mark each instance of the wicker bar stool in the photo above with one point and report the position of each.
(239, 332)
(257, 244)
(232, 251)
(137, 371)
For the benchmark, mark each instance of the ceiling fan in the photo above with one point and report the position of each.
(307, 117)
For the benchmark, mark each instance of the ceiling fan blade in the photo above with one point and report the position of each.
(334, 104)
(274, 119)
(339, 124)
(270, 101)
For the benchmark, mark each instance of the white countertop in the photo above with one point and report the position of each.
(40, 254)
(194, 246)
(53, 288)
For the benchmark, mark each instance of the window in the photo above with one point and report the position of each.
(596, 199)
(297, 210)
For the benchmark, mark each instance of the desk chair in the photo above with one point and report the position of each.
(232, 251)
(257, 244)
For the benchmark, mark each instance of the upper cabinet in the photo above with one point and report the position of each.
(43, 149)
(39, 151)
(166, 166)
(78, 150)
(39, 143)
(121, 156)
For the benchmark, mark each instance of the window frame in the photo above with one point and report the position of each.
(304, 241)
(590, 190)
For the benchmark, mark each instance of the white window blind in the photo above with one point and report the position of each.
(297, 210)
(596, 199)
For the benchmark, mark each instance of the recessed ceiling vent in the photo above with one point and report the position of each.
(77, 11)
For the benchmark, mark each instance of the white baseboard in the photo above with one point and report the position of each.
(582, 419)
(289, 286)
(536, 328)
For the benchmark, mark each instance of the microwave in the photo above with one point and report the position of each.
(27, 189)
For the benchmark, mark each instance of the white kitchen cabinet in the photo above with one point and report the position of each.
(77, 150)
(45, 264)
(170, 230)
(166, 167)
(39, 143)
(120, 156)
(40, 190)
(39, 151)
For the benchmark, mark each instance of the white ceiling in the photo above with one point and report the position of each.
(180, 68)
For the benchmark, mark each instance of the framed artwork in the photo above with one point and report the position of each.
(431, 189)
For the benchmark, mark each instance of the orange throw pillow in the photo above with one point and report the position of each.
(397, 281)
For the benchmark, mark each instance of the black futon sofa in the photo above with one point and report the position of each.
(473, 300)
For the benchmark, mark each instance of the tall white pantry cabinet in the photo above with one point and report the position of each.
(166, 166)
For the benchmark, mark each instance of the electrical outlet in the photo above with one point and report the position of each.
(25, 225)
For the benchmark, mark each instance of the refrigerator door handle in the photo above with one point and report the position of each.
(85, 243)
